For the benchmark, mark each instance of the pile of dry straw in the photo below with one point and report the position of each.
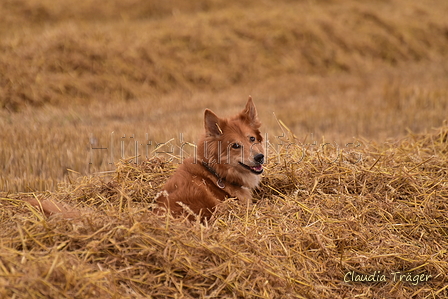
(324, 218)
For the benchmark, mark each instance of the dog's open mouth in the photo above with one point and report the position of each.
(258, 169)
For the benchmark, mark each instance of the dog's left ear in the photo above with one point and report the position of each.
(212, 123)
(250, 115)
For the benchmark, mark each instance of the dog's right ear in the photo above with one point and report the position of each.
(212, 123)
(249, 115)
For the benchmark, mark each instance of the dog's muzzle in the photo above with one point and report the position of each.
(258, 168)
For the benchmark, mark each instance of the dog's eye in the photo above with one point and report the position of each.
(236, 145)
(252, 139)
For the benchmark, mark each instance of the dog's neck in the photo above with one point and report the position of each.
(221, 181)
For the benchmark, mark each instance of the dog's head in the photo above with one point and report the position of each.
(234, 146)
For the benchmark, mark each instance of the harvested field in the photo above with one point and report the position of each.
(378, 211)
(353, 97)
(76, 77)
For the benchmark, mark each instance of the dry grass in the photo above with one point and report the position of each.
(362, 188)
(146, 70)
(376, 208)
(39, 145)
(65, 54)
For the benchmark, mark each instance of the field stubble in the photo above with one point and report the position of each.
(373, 212)
(45, 146)
(76, 78)
(360, 86)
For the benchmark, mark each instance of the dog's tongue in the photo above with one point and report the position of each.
(257, 168)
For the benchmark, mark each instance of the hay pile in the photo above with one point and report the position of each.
(332, 217)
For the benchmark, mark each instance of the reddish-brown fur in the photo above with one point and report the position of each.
(216, 173)
(50, 207)
(203, 182)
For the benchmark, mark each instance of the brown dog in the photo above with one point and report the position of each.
(228, 165)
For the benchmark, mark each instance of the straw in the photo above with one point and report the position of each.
(315, 226)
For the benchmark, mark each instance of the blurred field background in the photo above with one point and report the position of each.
(87, 75)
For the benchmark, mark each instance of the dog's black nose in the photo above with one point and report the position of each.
(259, 158)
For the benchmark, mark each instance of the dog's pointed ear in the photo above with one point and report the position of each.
(250, 115)
(212, 123)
